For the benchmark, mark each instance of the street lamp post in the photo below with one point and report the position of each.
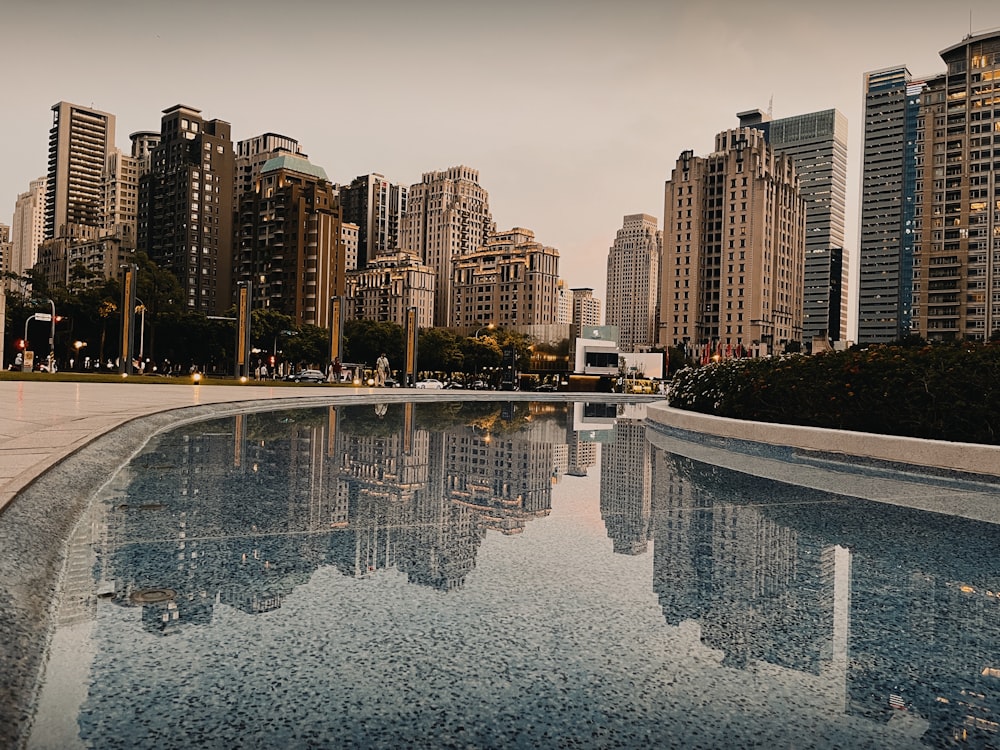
(490, 327)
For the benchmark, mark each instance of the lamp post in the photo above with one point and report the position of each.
(489, 327)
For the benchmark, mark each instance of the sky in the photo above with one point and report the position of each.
(573, 112)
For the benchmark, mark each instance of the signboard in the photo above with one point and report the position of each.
(336, 327)
(410, 366)
(243, 329)
(128, 318)
(44, 317)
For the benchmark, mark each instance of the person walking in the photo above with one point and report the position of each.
(381, 369)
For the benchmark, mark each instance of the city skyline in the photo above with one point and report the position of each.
(572, 114)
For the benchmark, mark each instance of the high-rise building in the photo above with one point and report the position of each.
(447, 216)
(633, 282)
(253, 153)
(186, 207)
(377, 206)
(888, 203)
(390, 285)
(290, 244)
(28, 228)
(586, 308)
(817, 143)
(510, 281)
(956, 259)
(79, 143)
(564, 303)
(733, 248)
(6, 249)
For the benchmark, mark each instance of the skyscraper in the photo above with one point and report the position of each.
(956, 259)
(447, 215)
(888, 203)
(290, 240)
(633, 282)
(377, 206)
(733, 249)
(817, 143)
(79, 143)
(186, 207)
(28, 228)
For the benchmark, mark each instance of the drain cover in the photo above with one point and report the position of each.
(152, 596)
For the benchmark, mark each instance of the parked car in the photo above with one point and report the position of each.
(429, 383)
(308, 376)
(547, 388)
(479, 385)
(391, 383)
(452, 385)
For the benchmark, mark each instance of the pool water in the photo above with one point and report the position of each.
(507, 575)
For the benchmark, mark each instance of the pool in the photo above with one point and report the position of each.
(509, 574)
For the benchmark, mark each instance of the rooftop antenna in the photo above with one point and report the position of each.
(770, 107)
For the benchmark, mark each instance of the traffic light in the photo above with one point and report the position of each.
(272, 361)
(19, 344)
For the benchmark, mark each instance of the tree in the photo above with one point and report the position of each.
(310, 346)
(365, 340)
(439, 350)
(480, 353)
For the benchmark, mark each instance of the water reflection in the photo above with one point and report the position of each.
(882, 612)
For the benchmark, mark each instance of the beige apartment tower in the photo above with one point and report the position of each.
(512, 280)
(389, 286)
(633, 282)
(447, 216)
(28, 229)
(733, 249)
(79, 143)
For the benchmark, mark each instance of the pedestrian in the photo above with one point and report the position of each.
(381, 369)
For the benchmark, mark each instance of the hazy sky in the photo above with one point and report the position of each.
(573, 112)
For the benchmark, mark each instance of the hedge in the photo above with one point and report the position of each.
(943, 392)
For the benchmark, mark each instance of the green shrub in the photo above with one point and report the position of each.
(944, 392)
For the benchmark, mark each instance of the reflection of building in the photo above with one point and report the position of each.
(626, 477)
(840, 590)
(759, 590)
(507, 480)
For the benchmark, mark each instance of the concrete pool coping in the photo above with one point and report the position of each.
(933, 455)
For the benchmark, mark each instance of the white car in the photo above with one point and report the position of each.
(429, 383)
